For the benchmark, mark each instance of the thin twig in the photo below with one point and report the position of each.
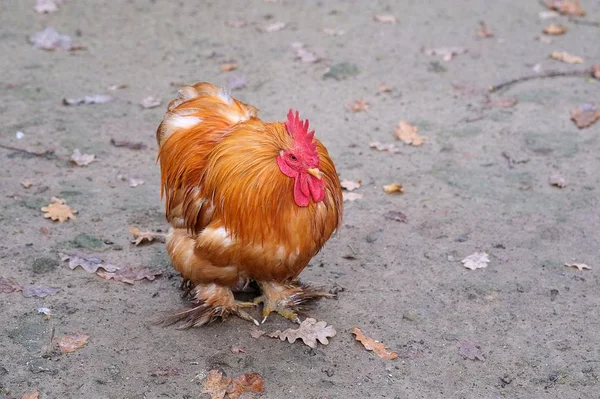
(584, 22)
(549, 74)
(44, 154)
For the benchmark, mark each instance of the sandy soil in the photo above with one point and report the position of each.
(535, 321)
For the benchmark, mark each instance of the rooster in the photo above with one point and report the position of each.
(247, 201)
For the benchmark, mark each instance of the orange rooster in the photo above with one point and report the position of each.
(247, 201)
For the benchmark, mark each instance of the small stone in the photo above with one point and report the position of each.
(341, 71)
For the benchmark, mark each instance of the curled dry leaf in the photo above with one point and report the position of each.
(237, 349)
(351, 196)
(82, 159)
(579, 266)
(246, 383)
(563, 56)
(558, 181)
(555, 29)
(89, 263)
(256, 333)
(89, 100)
(350, 185)
(7, 285)
(371, 345)
(477, 260)
(447, 53)
(129, 275)
(393, 188)
(566, 7)
(385, 19)
(470, 350)
(274, 27)
(30, 291)
(49, 39)
(129, 144)
(596, 71)
(383, 88)
(47, 6)
(408, 133)
(585, 115)
(215, 385)
(68, 343)
(310, 331)
(358, 106)
(58, 210)
(483, 31)
(397, 216)
(150, 102)
(384, 147)
(145, 236)
(26, 183)
(228, 67)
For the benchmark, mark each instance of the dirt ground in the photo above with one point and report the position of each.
(479, 183)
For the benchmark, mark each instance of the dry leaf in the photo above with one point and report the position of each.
(306, 56)
(371, 345)
(31, 395)
(566, 7)
(89, 100)
(274, 27)
(150, 102)
(30, 291)
(596, 71)
(236, 23)
(385, 19)
(350, 185)
(129, 144)
(408, 133)
(89, 263)
(228, 67)
(483, 31)
(129, 275)
(68, 343)
(384, 89)
(384, 147)
(563, 56)
(215, 385)
(351, 196)
(46, 6)
(396, 215)
(246, 383)
(579, 266)
(585, 115)
(555, 29)
(118, 87)
(133, 182)
(477, 260)
(470, 350)
(256, 333)
(334, 32)
(358, 106)
(237, 349)
(82, 159)
(58, 210)
(49, 39)
(504, 102)
(310, 331)
(558, 181)
(447, 53)
(147, 236)
(26, 183)
(393, 188)
(7, 285)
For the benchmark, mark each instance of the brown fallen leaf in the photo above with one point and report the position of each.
(596, 71)
(30, 291)
(477, 260)
(256, 333)
(393, 188)
(585, 115)
(383, 88)
(506, 102)
(58, 210)
(46, 6)
(351, 196)
(68, 343)
(447, 53)
(88, 100)
(82, 159)
(118, 87)
(470, 350)
(274, 27)
(371, 345)
(129, 275)
(237, 349)
(566, 7)
(7, 285)
(557, 180)
(385, 19)
(358, 106)
(579, 266)
(26, 183)
(150, 102)
(49, 39)
(483, 31)
(396, 215)
(310, 331)
(145, 236)
(408, 133)
(31, 395)
(384, 147)
(563, 56)
(129, 144)
(246, 383)
(555, 29)
(89, 263)
(215, 385)
(236, 23)
(350, 185)
(228, 67)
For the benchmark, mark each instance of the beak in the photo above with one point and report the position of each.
(315, 172)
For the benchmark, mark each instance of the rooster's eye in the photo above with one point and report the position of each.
(293, 157)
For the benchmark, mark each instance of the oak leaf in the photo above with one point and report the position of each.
(58, 210)
(555, 29)
(129, 275)
(393, 188)
(372, 345)
(477, 260)
(215, 385)
(246, 383)
(82, 159)
(310, 331)
(579, 266)
(145, 236)
(585, 115)
(89, 263)
(563, 56)
(350, 185)
(68, 343)
(408, 133)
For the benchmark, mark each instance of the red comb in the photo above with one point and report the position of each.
(298, 129)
